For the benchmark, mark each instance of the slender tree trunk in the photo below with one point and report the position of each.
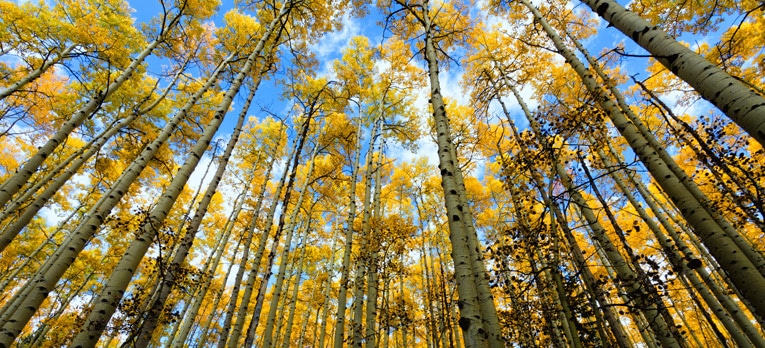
(721, 225)
(114, 289)
(34, 74)
(675, 255)
(328, 286)
(339, 336)
(218, 296)
(299, 273)
(279, 284)
(28, 299)
(13, 184)
(208, 273)
(168, 282)
(643, 278)
(707, 155)
(74, 162)
(620, 335)
(629, 279)
(743, 105)
(478, 316)
(363, 260)
(743, 272)
(372, 264)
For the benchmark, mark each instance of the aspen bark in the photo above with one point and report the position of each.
(628, 278)
(278, 285)
(370, 336)
(328, 287)
(28, 299)
(13, 184)
(73, 162)
(114, 289)
(34, 74)
(286, 343)
(339, 335)
(224, 334)
(362, 262)
(743, 105)
(478, 316)
(743, 272)
(168, 282)
(620, 335)
(701, 200)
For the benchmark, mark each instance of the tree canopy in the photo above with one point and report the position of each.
(400, 173)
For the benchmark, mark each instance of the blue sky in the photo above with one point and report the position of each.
(332, 44)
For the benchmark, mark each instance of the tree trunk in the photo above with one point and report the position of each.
(28, 299)
(113, 291)
(168, 282)
(339, 336)
(14, 183)
(620, 335)
(742, 270)
(362, 263)
(279, 284)
(675, 255)
(208, 272)
(629, 280)
(743, 105)
(478, 316)
(299, 273)
(721, 225)
(34, 74)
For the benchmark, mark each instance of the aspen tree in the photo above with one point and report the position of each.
(278, 285)
(743, 272)
(678, 264)
(627, 277)
(736, 100)
(298, 274)
(113, 290)
(650, 289)
(74, 163)
(478, 316)
(34, 74)
(13, 184)
(311, 110)
(682, 247)
(205, 327)
(370, 336)
(339, 336)
(722, 225)
(17, 312)
(166, 284)
(208, 273)
(231, 308)
(272, 152)
(361, 262)
(706, 154)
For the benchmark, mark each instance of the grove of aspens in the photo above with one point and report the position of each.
(390, 173)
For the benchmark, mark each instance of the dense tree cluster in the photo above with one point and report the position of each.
(581, 196)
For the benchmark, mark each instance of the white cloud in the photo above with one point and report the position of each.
(332, 43)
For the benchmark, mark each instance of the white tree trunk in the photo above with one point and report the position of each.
(34, 74)
(742, 271)
(35, 291)
(168, 282)
(113, 291)
(743, 105)
(19, 179)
